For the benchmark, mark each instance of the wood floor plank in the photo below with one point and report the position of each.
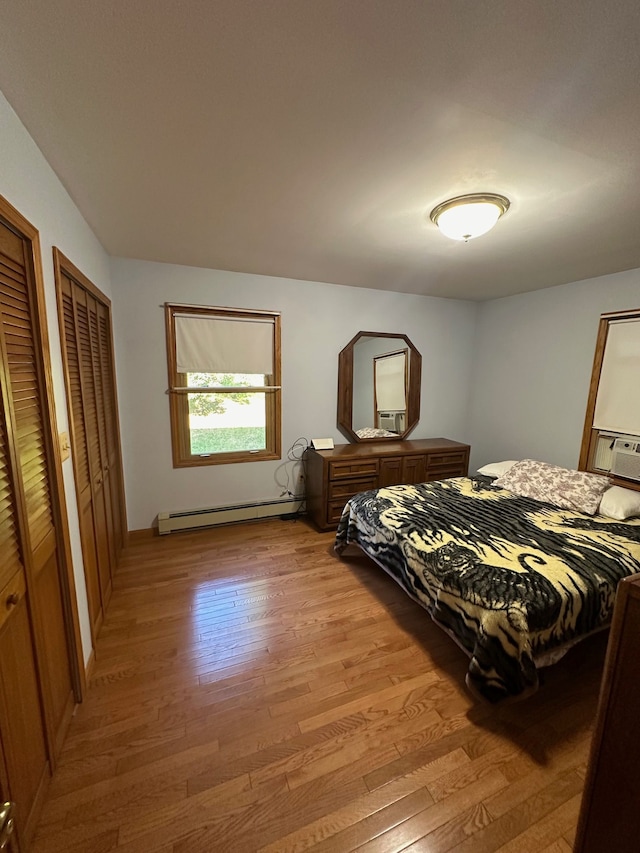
(443, 814)
(360, 826)
(252, 691)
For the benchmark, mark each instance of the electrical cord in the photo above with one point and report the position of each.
(294, 454)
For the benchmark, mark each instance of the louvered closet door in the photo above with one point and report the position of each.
(21, 723)
(30, 601)
(98, 378)
(90, 404)
(94, 452)
(87, 350)
(81, 453)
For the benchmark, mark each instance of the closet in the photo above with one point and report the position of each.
(41, 667)
(87, 348)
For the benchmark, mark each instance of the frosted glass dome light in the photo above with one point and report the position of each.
(468, 216)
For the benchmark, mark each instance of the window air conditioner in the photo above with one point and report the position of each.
(387, 420)
(626, 459)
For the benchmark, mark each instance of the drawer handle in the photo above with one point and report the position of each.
(12, 600)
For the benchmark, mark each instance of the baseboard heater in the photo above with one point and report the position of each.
(192, 519)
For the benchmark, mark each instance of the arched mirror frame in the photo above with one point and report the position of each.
(345, 387)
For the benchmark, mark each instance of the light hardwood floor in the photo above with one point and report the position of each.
(254, 692)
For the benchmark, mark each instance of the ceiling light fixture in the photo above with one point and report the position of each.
(469, 216)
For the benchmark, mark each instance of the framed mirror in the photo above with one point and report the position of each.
(379, 377)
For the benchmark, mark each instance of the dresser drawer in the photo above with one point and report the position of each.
(345, 489)
(446, 471)
(353, 468)
(439, 460)
(334, 511)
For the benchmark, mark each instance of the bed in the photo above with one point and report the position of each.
(514, 580)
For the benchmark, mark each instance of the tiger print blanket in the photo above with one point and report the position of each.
(510, 578)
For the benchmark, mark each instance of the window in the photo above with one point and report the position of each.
(613, 406)
(390, 390)
(224, 384)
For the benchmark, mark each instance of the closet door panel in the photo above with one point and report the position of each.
(80, 445)
(24, 379)
(90, 559)
(25, 762)
(90, 407)
(51, 616)
(105, 484)
(20, 710)
(87, 344)
(25, 413)
(21, 724)
(9, 548)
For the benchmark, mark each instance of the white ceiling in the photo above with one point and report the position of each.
(309, 138)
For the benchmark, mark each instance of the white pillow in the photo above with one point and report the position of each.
(496, 469)
(620, 503)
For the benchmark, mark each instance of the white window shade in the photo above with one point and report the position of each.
(220, 345)
(618, 402)
(391, 394)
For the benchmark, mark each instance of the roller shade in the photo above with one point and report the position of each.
(391, 394)
(223, 345)
(618, 402)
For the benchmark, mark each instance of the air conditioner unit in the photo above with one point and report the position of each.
(626, 459)
(387, 420)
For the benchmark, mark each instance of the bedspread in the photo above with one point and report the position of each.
(510, 578)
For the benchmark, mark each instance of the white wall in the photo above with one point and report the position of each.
(533, 359)
(318, 320)
(31, 186)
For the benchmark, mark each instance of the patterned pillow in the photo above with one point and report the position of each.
(562, 487)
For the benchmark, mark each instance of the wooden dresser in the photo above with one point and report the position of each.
(334, 476)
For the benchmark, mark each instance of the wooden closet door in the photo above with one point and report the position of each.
(98, 379)
(85, 324)
(78, 427)
(26, 386)
(28, 579)
(25, 767)
(90, 406)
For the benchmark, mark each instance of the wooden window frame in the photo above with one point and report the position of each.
(590, 434)
(178, 398)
